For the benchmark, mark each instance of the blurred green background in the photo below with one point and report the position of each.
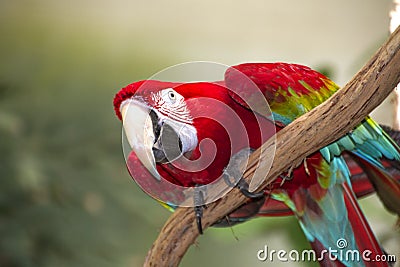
(66, 198)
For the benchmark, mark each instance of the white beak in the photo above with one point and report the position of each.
(139, 131)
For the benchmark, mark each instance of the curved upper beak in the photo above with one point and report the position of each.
(138, 127)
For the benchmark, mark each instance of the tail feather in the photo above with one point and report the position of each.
(359, 177)
(363, 234)
(331, 214)
(395, 136)
(346, 240)
(387, 187)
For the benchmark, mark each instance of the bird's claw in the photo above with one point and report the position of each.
(288, 176)
(243, 186)
(233, 173)
(306, 166)
(198, 210)
(198, 199)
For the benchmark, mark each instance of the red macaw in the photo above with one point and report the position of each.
(169, 126)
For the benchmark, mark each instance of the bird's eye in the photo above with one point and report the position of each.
(172, 95)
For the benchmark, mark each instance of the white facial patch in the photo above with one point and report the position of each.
(172, 105)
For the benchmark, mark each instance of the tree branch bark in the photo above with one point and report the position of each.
(312, 131)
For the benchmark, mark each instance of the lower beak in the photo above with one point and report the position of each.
(139, 131)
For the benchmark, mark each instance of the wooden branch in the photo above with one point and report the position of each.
(312, 131)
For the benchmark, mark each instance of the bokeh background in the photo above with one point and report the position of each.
(66, 198)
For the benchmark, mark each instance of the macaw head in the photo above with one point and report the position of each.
(178, 123)
(157, 122)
